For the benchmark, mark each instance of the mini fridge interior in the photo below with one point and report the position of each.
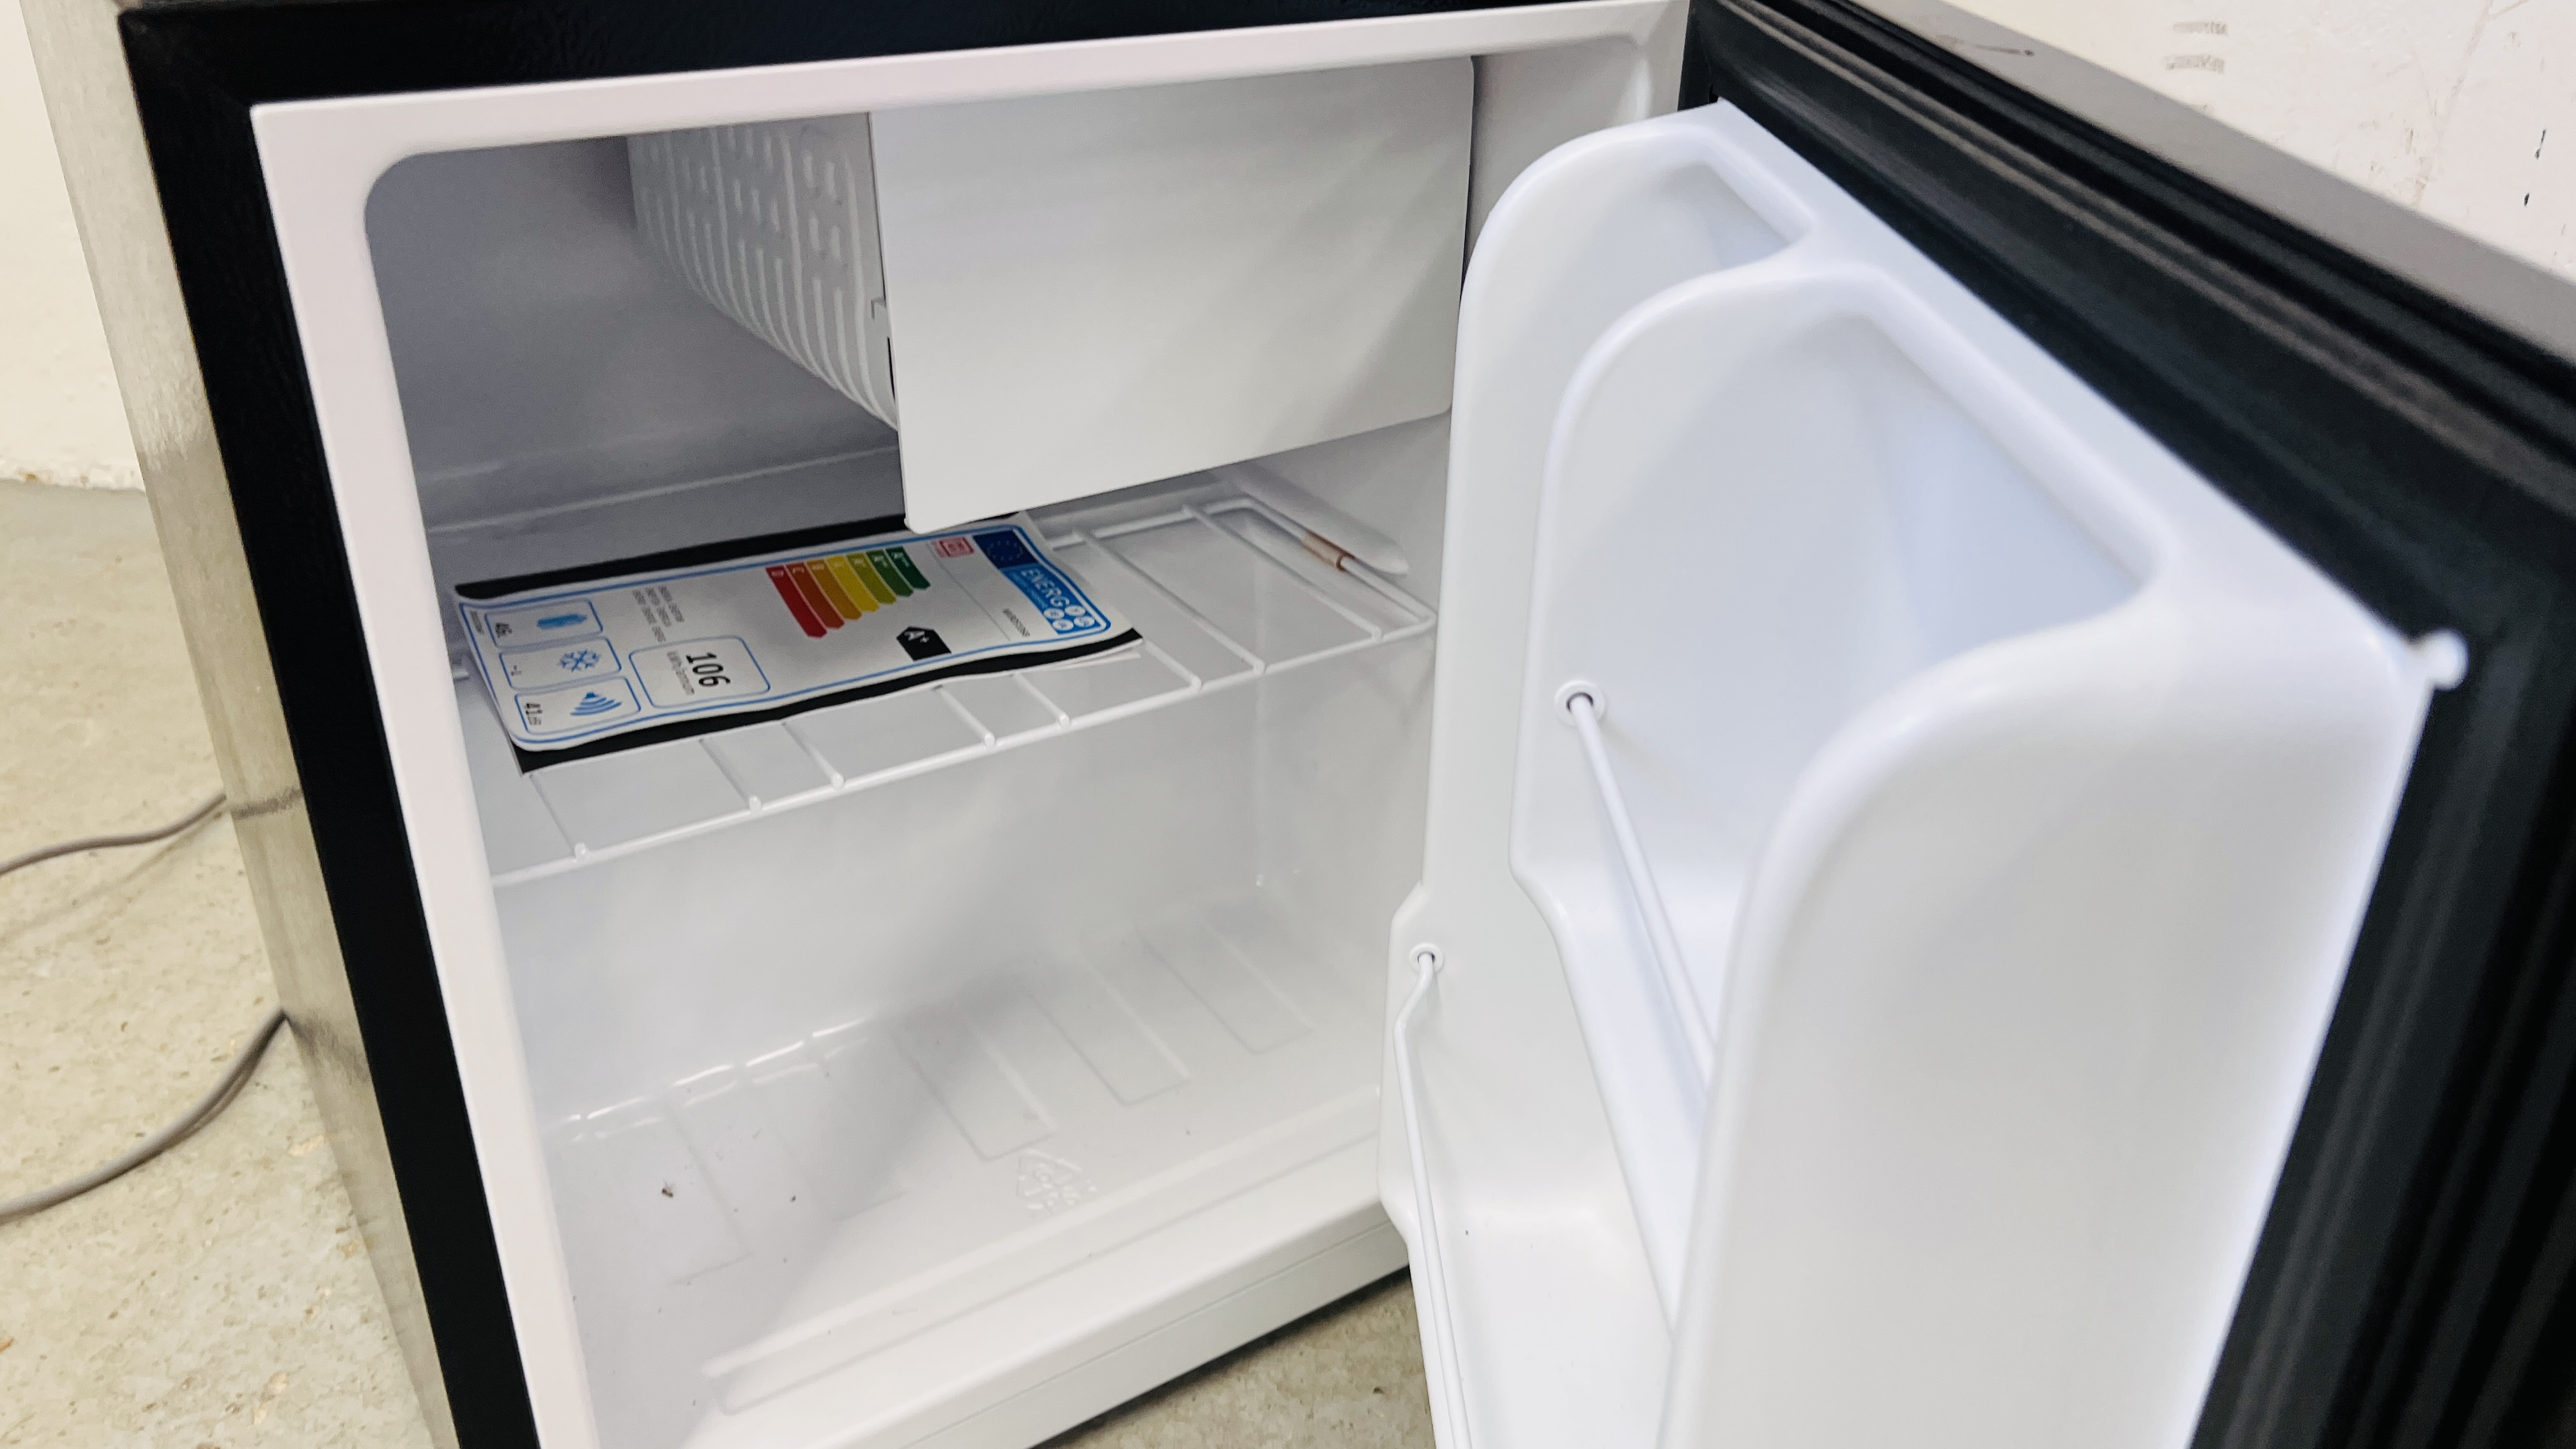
(1648, 743)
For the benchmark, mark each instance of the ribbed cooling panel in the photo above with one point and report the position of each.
(776, 225)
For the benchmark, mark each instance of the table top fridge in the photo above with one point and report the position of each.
(1858, 731)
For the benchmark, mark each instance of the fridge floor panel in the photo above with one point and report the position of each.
(772, 1227)
(1219, 585)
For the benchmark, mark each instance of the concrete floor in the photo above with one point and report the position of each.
(218, 1296)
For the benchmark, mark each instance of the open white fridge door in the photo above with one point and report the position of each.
(1896, 835)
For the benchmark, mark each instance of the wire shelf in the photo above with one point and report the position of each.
(1219, 585)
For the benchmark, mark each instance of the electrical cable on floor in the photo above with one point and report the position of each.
(216, 1098)
(42, 853)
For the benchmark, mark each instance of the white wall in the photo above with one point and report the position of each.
(2444, 105)
(60, 421)
(2448, 106)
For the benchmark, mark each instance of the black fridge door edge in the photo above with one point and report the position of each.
(2411, 1286)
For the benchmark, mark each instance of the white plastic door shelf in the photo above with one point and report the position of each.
(2012, 798)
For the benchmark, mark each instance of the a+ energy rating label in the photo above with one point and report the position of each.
(590, 660)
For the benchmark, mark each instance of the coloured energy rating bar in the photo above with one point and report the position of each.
(824, 593)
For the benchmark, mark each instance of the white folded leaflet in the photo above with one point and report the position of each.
(574, 663)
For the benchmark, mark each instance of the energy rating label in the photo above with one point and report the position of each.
(632, 656)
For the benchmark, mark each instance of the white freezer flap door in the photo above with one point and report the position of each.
(1096, 290)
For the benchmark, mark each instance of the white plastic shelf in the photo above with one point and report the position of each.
(1217, 583)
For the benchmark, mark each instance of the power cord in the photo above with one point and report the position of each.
(43, 853)
(216, 1099)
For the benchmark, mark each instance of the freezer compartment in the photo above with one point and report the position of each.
(565, 397)
(1079, 293)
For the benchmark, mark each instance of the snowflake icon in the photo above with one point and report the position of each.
(575, 661)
